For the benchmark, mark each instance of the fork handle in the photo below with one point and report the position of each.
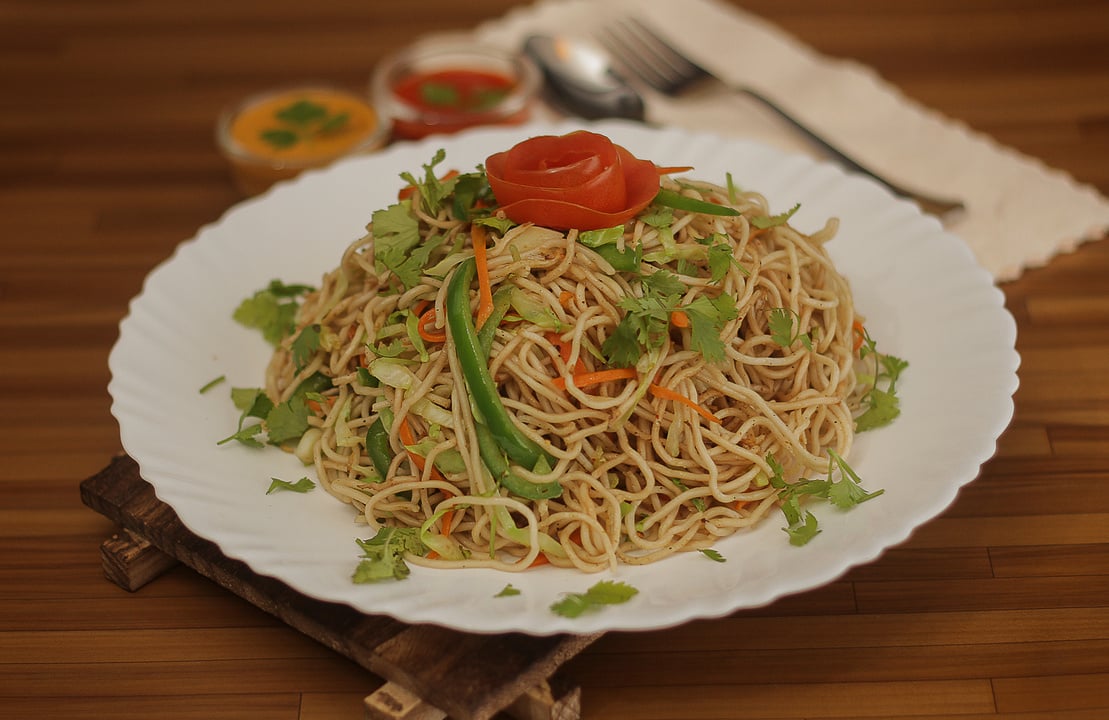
(930, 204)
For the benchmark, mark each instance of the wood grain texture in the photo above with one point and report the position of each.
(995, 610)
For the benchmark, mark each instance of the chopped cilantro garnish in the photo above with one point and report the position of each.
(707, 317)
(713, 555)
(844, 493)
(212, 383)
(383, 554)
(762, 222)
(301, 486)
(305, 345)
(882, 404)
(508, 591)
(785, 328)
(302, 120)
(605, 592)
(431, 189)
(272, 310)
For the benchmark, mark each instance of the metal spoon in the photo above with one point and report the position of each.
(581, 80)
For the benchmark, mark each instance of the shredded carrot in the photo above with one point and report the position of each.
(667, 394)
(672, 170)
(406, 437)
(582, 380)
(860, 335)
(484, 289)
(316, 407)
(564, 350)
(540, 559)
(679, 319)
(565, 298)
(427, 319)
(410, 190)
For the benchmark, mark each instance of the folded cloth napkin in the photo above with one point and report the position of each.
(1019, 214)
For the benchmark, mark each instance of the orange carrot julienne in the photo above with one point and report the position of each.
(582, 380)
(316, 407)
(672, 170)
(406, 437)
(564, 350)
(540, 559)
(422, 327)
(860, 335)
(565, 298)
(667, 394)
(484, 289)
(679, 319)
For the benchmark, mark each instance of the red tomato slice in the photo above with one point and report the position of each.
(579, 180)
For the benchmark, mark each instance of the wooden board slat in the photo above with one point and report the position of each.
(470, 677)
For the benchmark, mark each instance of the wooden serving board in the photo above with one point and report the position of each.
(430, 672)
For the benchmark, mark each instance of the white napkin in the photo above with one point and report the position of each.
(1020, 213)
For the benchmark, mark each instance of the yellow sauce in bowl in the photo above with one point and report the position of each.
(275, 136)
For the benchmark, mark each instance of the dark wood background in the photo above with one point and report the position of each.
(997, 609)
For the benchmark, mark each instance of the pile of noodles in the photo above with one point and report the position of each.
(643, 477)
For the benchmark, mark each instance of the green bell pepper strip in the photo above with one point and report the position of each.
(475, 371)
(669, 198)
(378, 448)
(502, 300)
(493, 457)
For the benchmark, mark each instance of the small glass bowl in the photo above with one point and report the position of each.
(278, 134)
(446, 84)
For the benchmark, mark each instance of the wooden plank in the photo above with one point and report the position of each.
(461, 673)
(668, 699)
(131, 562)
(1052, 693)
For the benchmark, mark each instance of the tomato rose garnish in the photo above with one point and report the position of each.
(579, 180)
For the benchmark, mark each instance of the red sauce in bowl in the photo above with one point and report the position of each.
(443, 88)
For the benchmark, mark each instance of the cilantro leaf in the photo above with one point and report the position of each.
(713, 555)
(272, 310)
(301, 486)
(707, 317)
(287, 421)
(301, 112)
(882, 408)
(396, 231)
(472, 195)
(605, 592)
(411, 269)
(431, 189)
(508, 591)
(663, 283)
(246, 435)
(782, 322)
(622, 348)
(721, 260)
(763, 221)
(383, 554)
(305, 345)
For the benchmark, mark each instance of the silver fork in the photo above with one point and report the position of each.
(644, 53)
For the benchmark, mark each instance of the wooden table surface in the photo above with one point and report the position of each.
(998, 608)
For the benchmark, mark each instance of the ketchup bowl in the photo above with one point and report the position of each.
(444, 85)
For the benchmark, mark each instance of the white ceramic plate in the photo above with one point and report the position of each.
(925, 300)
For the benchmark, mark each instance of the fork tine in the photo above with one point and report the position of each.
(625, 52)
(688, 69)
(648, 57)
